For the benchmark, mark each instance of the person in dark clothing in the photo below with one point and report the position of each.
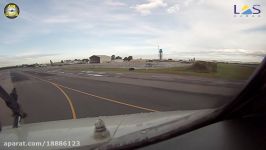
(12, 102)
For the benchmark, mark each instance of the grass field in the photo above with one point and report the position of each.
(224, 71)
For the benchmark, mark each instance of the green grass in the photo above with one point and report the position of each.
(224, 71)
(174, 70)
(234, 71)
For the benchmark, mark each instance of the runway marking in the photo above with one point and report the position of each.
(74, 115)
(99, 97)
(108, 99)
(73, 111)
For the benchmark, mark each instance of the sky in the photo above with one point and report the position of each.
(69, 29)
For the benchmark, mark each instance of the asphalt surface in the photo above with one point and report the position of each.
(48, 97)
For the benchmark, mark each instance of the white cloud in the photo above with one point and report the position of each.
(114, 3)
(33, 56)
(59, 19)
(27, 58)
(178, 5)
(146, 8)
(173, 9)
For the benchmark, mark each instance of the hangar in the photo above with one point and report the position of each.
(100, 59)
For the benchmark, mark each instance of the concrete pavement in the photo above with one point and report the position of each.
(44, 101)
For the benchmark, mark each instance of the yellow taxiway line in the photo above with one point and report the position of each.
(73, 111)
(108, 99)
(74, 115)
(96, 96)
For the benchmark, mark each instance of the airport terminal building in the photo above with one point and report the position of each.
(100, 59)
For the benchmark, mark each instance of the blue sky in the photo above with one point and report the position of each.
(69, 29)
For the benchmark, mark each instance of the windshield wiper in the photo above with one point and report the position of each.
(11, 101)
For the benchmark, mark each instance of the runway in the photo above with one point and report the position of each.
(49, 97)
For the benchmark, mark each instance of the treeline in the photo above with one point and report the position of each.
(113, 57)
